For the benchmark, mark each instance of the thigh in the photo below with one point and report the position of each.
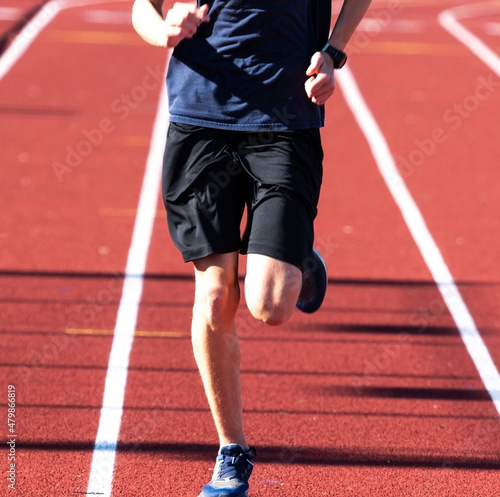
(271, 288)
(282, 201)
(202, 191)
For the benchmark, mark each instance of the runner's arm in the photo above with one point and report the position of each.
(351, 14)
(321, 84)
(181, 21)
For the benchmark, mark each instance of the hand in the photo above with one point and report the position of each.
(321, 84)
(182, 21)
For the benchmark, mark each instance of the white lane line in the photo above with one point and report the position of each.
(33, 28)
(101, 473)
(421, 235)
(449, 21)
(27, 35)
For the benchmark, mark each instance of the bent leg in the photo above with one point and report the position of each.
(215, 344)
(271, 288)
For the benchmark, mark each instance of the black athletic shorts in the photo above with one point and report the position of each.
(210, 175)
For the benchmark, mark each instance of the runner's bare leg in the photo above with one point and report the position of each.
(215, 344)
(271, 289)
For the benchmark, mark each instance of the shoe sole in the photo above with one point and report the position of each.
(321, 281)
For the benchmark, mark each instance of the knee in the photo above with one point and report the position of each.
(271, 289)
(216, 304)
(269, 311)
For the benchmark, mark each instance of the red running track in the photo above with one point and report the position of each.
(374, 395)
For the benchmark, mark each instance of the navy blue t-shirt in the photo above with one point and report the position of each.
(245, 69)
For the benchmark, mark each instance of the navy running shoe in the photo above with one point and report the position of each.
(233, 468)
(314, 283)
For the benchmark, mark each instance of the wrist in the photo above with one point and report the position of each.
(338, 56)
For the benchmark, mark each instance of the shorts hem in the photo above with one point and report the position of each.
(205, 251)
(276, 253)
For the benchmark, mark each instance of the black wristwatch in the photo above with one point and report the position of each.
(339, 57)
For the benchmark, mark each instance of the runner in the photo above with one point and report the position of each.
(247, 82)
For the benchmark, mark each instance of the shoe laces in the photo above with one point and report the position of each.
(235, 466)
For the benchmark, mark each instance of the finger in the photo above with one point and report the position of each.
(322, 99)
(203, 13)
(198, 13)
(186, 23)
(316, 83)
(198, 16)
(322, 96)
(192, 22)
(176, 33)
(309, 86)
(319, 88)
(315, 65)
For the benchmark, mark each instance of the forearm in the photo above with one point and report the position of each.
(148, 22)
(351, 14)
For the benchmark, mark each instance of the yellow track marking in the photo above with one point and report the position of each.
(413, 48)
(138, 333)
(138, 141)
(94, 37)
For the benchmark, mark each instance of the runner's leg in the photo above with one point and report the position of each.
(271, 288)
(215, 344)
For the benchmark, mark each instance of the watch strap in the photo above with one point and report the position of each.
(339, 57)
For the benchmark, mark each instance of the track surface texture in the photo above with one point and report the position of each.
(380, 393)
